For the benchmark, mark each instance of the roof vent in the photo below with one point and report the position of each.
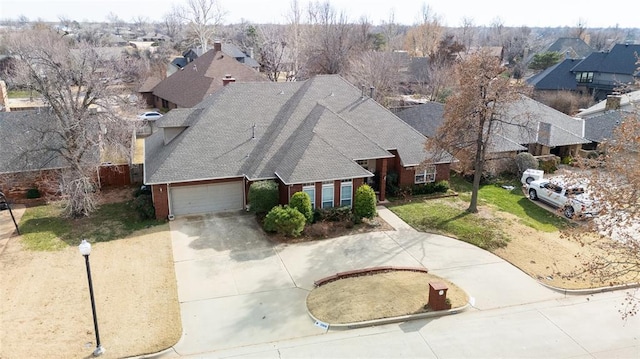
(281, 92)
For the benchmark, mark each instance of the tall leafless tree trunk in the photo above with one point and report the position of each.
(473, 114)
(89, 117)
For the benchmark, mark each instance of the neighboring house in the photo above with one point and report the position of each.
(602, 118)
(530, 126)
(624, 102)
(321, 136)
(200, 78)
(571, 47)
(428, 117)
(599, 74)
(556, 78)
(228, 48)
(28, 156)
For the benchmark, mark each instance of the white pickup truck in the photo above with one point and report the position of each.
(570, 199)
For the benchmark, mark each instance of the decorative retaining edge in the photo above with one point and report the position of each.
(590, 290)
(359, 272)
(404, 318)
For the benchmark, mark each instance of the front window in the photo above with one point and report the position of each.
(346, 188)
(426, 175)
(310, 189)
(327, 194)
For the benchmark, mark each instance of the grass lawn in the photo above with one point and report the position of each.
(43, 228)
(21, 94)
(449, 216)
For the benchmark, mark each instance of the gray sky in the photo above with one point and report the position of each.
(543, 13)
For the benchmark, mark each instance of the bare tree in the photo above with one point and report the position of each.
(88, 116)
(379, 70)
(615, 186)
(203, 17)
(273, 50)
(172, 23)
(329, 40)
(423, 38)
(474, 114)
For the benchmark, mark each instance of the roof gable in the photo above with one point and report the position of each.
(620, 60)
(203, 76)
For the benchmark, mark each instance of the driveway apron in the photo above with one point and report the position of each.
(236, 288)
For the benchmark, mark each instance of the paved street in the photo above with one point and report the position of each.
(242, 296)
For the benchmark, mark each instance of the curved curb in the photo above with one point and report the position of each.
(159, 354)
(368, 323)
(591, 290)
(404, 318)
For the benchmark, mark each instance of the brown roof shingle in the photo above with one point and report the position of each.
(202, 77)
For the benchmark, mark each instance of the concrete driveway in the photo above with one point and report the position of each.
(238, 289)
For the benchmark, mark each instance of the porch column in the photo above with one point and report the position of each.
(383, 179)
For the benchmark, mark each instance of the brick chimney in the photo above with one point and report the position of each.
(227, 80)
(217, 45)
(613, 102)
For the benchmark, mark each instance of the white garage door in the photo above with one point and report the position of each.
(207, 198)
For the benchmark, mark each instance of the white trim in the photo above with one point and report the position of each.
(429, 175)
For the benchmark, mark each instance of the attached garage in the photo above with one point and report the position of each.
(213, 197)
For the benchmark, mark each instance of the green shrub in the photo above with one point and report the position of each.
(549, 165)
(364, 205)
(430, 188)
(393, 189)
(144, 206)
(335, 214)
(33, 193)
(302, 202)
(263, 195)
(284, 220)
(567, 160)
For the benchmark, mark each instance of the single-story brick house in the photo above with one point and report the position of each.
(322, 136)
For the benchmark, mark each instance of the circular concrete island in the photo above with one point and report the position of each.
(380, 295)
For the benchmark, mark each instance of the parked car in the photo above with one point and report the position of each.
(149, 115)
(572, 200)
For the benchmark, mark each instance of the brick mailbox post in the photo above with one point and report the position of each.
(438, 296)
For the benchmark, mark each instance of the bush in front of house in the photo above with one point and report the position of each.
(263, 196)
(393, 189)
(144, 206)
(334, 214)
(284, 220)
(524, 161)
(364, 204)
(302, 202)
(430, 188)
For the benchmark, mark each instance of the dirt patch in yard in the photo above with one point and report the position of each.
(46, 309)
(548, 257)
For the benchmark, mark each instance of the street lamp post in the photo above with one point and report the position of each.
(85, 250)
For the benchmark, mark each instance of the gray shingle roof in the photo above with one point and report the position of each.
(304, 131)
(576, 47)
(25, 137)
(601, 128)
(620, 60)
(533, 122)
(557, 77)
(428, 117)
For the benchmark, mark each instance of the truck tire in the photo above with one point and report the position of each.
(569, 212)
(529, 179)
(533, 195)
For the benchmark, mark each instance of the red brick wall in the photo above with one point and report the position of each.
(443, 172)
(15, 185)
(160, 200)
